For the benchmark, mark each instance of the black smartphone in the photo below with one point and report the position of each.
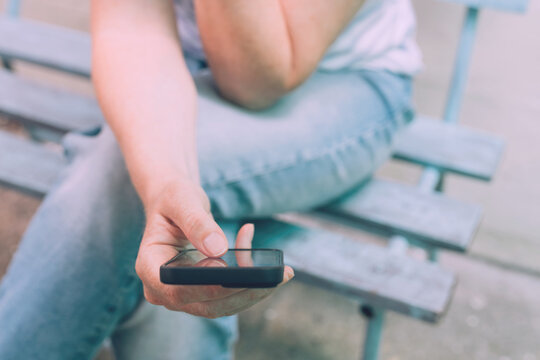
(238, 268)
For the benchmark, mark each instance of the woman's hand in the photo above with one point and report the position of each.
(177, 216)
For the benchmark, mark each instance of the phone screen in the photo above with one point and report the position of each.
(232, 258)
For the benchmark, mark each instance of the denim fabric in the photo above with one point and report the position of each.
(72, 282)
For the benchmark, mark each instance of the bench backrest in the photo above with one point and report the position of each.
(465, 48)
(463, 54)
(519, 6)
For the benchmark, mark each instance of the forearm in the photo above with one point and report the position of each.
(237, 37)
(259, 50)
(149, 99)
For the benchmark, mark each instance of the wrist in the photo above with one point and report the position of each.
(154, 170)
(157, 186)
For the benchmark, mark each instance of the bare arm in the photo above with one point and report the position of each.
(259, 50)
(144, 88)
(149, 99)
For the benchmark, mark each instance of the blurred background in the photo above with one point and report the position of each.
(495, 313)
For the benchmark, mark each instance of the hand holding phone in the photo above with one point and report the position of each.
(238, 268)
(209, 301)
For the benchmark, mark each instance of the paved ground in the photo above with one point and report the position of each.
(494, 315)
(496, 310)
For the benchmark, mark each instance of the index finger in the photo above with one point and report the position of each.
(188, 211)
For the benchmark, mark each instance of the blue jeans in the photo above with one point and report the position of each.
(72, 282)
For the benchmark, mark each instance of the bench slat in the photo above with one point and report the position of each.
(42, 105)
(399, 283)
(27, 166)
(519, 6)
(390, 208)
(45, 44)
(450, 147)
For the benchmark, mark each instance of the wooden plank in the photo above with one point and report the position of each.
(450, 147)
(45, 44)
(44, 106)
(395, 282)
(27, 166)
(519, 6)
(389, 208)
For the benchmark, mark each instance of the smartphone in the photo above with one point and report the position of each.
(238, 268)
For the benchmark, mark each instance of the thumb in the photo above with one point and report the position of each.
(190, 212)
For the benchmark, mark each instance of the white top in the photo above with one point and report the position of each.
(381, 36)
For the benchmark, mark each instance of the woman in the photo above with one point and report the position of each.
(256, 107)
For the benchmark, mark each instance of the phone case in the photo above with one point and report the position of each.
(232, 277)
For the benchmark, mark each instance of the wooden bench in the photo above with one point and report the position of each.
(380, 278)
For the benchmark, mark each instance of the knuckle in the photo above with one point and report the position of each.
(140, 270)
(172, 307)
(191, 311)
(151, 298)
(138, 267)
(210, 315)
(255, 296)
(204, 311)
(168, 292)
(229, 313)
(173, 297)
(212, 292)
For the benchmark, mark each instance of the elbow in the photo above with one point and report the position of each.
(254, 101)
(258, 95)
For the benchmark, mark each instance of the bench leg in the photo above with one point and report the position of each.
(433, 254)
(6, 64)
(13, 8)
(375, 323)
(440, 184)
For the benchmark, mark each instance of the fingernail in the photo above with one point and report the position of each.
(290, 274)
(214, 244)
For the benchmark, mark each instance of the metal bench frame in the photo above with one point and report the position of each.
(432, 178)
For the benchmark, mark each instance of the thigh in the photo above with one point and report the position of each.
(154, 332)
(316, 143)
(73, 277)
